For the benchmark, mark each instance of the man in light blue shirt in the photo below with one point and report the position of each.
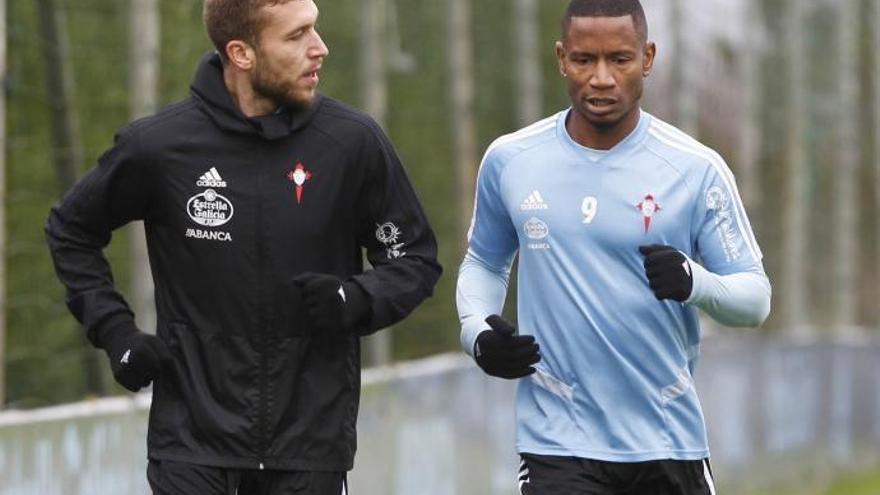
(624, 227)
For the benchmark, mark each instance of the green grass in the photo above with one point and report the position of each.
(861, 484)
(856, 483)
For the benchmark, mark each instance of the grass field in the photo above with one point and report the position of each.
(860, 483)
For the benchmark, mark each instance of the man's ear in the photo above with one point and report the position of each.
(241, 55)
(560, 58)
(648, 58)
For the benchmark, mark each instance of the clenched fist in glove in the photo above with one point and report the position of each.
(669, 272)
(501, 353)
(136, 358)
(333, 306)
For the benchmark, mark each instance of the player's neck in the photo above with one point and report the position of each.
(600, 137)
(248, 101)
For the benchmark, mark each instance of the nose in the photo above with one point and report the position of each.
(602, 78)
(319, 48)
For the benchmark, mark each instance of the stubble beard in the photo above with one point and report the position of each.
(283, 94)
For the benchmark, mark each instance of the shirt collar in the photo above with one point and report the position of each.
(593, 155)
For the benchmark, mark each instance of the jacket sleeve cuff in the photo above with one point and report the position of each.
(358, 311)
(114, 329)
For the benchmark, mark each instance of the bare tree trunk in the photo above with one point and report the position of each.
(375, 100)
(750, 128)
(528, 81)
(684, 90)
(461, 70)
(143, 96)
(845, 214)
(874, 13)
(59, 86)
(797, 179)
(65, 141)
(868, 235)
(2, 204)
(144, 54)
(374, 93)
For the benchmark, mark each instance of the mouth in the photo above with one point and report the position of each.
(312, 75)
(601, 105)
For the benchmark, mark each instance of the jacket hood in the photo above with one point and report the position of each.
(210, 93)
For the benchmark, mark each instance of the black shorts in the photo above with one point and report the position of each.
(177, 478)
(555, 475)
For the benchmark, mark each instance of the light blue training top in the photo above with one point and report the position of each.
(615, 381)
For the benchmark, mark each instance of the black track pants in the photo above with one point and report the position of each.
(554, 475)
(176, 478)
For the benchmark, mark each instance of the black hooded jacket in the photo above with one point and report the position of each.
(234, 208)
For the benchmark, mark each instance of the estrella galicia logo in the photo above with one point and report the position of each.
(209, 209)
(536, 229)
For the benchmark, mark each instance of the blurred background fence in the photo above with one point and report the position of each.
(778, 413)
(788, 91)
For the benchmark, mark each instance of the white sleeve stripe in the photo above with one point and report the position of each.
(677, 134)
(744, 227)
(725, 174)
(720, 166)
(536, 128)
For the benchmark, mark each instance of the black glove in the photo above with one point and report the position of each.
(501, 353)
(669, 272)
(333, 306)
(136, 358)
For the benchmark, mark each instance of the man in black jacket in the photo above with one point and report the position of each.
(258, 196)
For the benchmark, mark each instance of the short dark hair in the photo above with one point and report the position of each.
(227, 20)
(607, 8)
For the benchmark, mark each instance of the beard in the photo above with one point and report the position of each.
(268, 84)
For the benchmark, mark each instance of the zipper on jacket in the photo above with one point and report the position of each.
(263, 336)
